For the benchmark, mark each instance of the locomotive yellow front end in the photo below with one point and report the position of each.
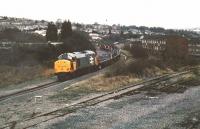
(63, 68)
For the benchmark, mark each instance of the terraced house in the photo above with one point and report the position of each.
(194, 47)
(157, 44)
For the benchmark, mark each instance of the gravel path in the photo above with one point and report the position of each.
(164, 111)
(31, 104)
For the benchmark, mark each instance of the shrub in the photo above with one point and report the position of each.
(176, 49)
(137, 67)
(78, 41)
(15, 35)
(137, 51)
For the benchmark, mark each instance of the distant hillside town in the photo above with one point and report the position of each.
(106, 33)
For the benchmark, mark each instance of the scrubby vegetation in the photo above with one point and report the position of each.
(95, 84)
(78, 41)
(10, 75)
(24, 62)
(176, 49)
(139, 68)
(145, 63)
(137, 51)
(15, 35)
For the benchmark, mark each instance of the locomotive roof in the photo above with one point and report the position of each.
(77, 54)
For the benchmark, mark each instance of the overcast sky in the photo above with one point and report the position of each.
(163, 13)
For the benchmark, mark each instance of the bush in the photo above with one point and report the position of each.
(137, 67)
(140, 65)
(78, 41)
(176, 49)
(117, 69)
(13, 75)
(44, 54)
(137, 51)
(15, 35)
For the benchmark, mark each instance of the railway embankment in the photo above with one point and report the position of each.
(78, 97)
(12, 77)
(122, 74)
(98, 84)
(113, 82)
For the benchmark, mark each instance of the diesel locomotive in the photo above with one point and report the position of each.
(70, 64)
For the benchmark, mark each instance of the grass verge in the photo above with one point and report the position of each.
(96, 84)
(10, 75)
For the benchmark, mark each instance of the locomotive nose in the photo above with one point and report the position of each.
(62, 66)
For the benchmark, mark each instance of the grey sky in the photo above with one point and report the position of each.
(163, 13)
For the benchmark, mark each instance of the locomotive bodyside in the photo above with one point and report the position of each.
(69, 64)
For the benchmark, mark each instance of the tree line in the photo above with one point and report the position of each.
(44, 54)
(16, 35)
(72, 40)
(52, 31)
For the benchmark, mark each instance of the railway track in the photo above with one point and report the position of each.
(43, 86)
(21, 92)
(41, 118)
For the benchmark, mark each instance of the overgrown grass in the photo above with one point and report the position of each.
(10, 75)
(141, 63)
(140, 68)
(162, 59)
(96, 84)
(193, 80)
(122, 73)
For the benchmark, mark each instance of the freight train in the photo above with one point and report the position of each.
(73, 64)
(69, 64)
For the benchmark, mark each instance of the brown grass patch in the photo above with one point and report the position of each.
(96, 84)
(100, 83)
(47, 72)
(10, 75)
